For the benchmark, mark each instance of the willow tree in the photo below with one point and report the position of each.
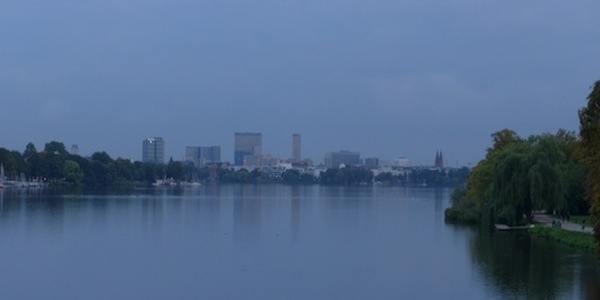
(510, 192)
(528, 176)
(589, 131)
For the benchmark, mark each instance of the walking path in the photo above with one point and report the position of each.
(547, 221)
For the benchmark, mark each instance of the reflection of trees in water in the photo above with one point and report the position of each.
(519, 266)
(37, 208)
(590, 281)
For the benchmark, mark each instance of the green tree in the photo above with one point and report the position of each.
(175, 170)
(519, 176)
(125, 170)
(589, 132)
(291, 176)
(102, 157)
(56, 148)
(148, 172)
(72, 172)
(30, 151)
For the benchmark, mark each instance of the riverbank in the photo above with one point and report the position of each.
(575, 235)
(579, 240)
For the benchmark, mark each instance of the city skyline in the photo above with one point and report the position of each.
(386, 78)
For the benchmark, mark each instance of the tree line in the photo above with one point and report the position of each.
(57, 166)
(520, 175)
(436, 177)
(554, 172)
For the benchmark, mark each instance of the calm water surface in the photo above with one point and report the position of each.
(271, 242)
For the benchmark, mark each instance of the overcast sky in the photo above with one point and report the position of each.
(387, 78)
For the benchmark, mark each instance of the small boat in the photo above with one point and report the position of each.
(504, 227)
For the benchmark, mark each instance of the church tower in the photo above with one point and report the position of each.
(439, 159)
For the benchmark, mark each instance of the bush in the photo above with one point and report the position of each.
(579, 240)
(462, 210)
(461, 215)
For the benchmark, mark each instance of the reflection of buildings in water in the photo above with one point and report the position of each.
(345, 203)
(438, 206)
(295, 212)
(152, 210)
(203, 208)
(246, 213)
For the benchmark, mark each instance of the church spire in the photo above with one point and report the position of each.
(439, 159)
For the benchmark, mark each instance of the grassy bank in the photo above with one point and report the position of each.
(579, 240)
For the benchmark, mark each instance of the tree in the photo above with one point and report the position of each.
(73, 173)
(291, 176)
(175, 170)
(55, 147)
(125, 170)
(30, 151)
(589, 132)
(519, 176)
(528, 175)
(102, 157)
(149, 172)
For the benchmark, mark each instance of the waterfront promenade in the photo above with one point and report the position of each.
(547, 221)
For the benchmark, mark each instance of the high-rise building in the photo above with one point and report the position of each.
(296, 147)
(200, 156)
(153, 150)
(247, 149)
(335, 159)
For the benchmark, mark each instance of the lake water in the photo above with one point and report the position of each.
(271, 242)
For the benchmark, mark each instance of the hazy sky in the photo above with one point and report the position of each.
(387, 78)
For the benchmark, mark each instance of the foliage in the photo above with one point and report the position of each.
(589, 132)
(580, 219)
(579, 240)
(72, 172)
(347, 176)
(175, 170)
(56, 148)
(462, 210)
(521, 175)
(433, 177)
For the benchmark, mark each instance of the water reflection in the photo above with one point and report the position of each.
(246, 212)
(152, 213)
(319, 242)
(295, 212)
(438, 216)
(516, 265)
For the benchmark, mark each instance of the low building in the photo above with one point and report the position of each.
(335, 159)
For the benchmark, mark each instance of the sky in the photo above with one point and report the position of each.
(386, 78)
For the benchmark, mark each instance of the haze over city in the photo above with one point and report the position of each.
(384, 78)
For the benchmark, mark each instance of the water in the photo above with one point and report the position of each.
(271, 242)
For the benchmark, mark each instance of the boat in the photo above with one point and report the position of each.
(504, 227)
